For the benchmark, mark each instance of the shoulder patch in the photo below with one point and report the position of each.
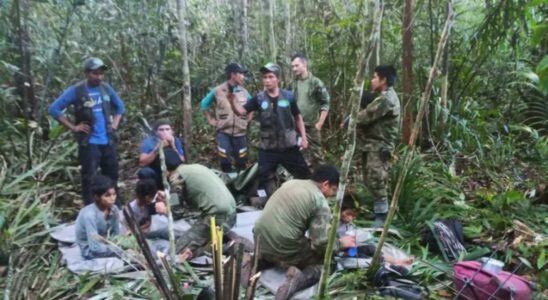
(264, 105)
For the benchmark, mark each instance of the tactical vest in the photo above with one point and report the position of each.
(83, 111)
(277, 122)
(227, 121)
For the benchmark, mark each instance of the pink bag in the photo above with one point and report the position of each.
(474, 283)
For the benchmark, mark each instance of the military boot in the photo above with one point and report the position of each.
(245, 273)
(238, 239)
(297, 280)
(380, 218)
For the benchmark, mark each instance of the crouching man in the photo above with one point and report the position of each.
(296, 207)
(199, 187)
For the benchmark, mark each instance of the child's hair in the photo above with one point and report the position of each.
(348, 202)
(100, 184)
(146, 187)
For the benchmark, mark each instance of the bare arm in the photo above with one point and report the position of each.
(299, 122)
(116, 121)
(321, 120)
(249, 117)
(146, 159)
(82, 127)
(210, 119)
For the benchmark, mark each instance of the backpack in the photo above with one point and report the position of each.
(445, 236)
(473, 282)
(392, 282)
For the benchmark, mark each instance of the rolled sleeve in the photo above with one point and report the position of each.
(323, 97)
(319, 228)
(206, 102)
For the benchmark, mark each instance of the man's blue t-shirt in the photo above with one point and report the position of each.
(150, 143)
(98, 134)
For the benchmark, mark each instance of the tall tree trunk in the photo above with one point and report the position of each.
(363, 66)
(445, 79)
(24, 78)
(412, 142)
(407, 74)
(271, 32)
(187, 104)
(374, 60)
(245, 31)
(239, 13)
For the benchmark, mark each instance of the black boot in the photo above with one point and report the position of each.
(380, 218)
(297, 280)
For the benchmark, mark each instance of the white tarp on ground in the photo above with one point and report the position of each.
(271, 279)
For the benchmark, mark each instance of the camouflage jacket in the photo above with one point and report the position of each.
(316, 99)
(296, 207)
(379, 124)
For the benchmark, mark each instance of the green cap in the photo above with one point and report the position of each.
(94, 63)
(271, 68)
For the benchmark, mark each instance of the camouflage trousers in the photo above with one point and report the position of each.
(305, 257)
(376, 165)
(199, 233)
(314, 154)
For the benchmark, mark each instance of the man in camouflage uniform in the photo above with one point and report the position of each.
(205, 191)
(313, 101)
(378, 132)
(296, 207)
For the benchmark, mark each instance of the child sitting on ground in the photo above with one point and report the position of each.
(348, 215)
(150, 201)
(98, 220)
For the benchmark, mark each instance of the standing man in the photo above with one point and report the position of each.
(378, 132)
(298, 207)
(149, 160)
(231, 128)
(97, 114)
(281, 122)
(313, 101)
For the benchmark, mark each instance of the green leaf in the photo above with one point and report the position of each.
(541, 260)
(89, 285)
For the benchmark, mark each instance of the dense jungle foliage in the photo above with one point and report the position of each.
(482, 152)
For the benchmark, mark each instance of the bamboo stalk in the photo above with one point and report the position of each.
(237, 272)
(253, 286)
(172, 278)
(349, 152)
(159, 281)
(171, 232)
(412, 140)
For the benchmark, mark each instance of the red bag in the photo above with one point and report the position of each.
(474, 283)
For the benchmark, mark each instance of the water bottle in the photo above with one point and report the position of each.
(352, 251)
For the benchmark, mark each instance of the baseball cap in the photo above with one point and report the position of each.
(271, 67)
(234, 68)
(94, 63)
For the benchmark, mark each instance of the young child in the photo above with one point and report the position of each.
(149, 201)
(98, 220)
(348, 214)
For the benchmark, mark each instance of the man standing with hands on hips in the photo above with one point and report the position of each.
(97, 114)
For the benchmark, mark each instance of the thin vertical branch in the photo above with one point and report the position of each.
(363, 65)
(412, 141)
(187, 104)
(171, 232)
